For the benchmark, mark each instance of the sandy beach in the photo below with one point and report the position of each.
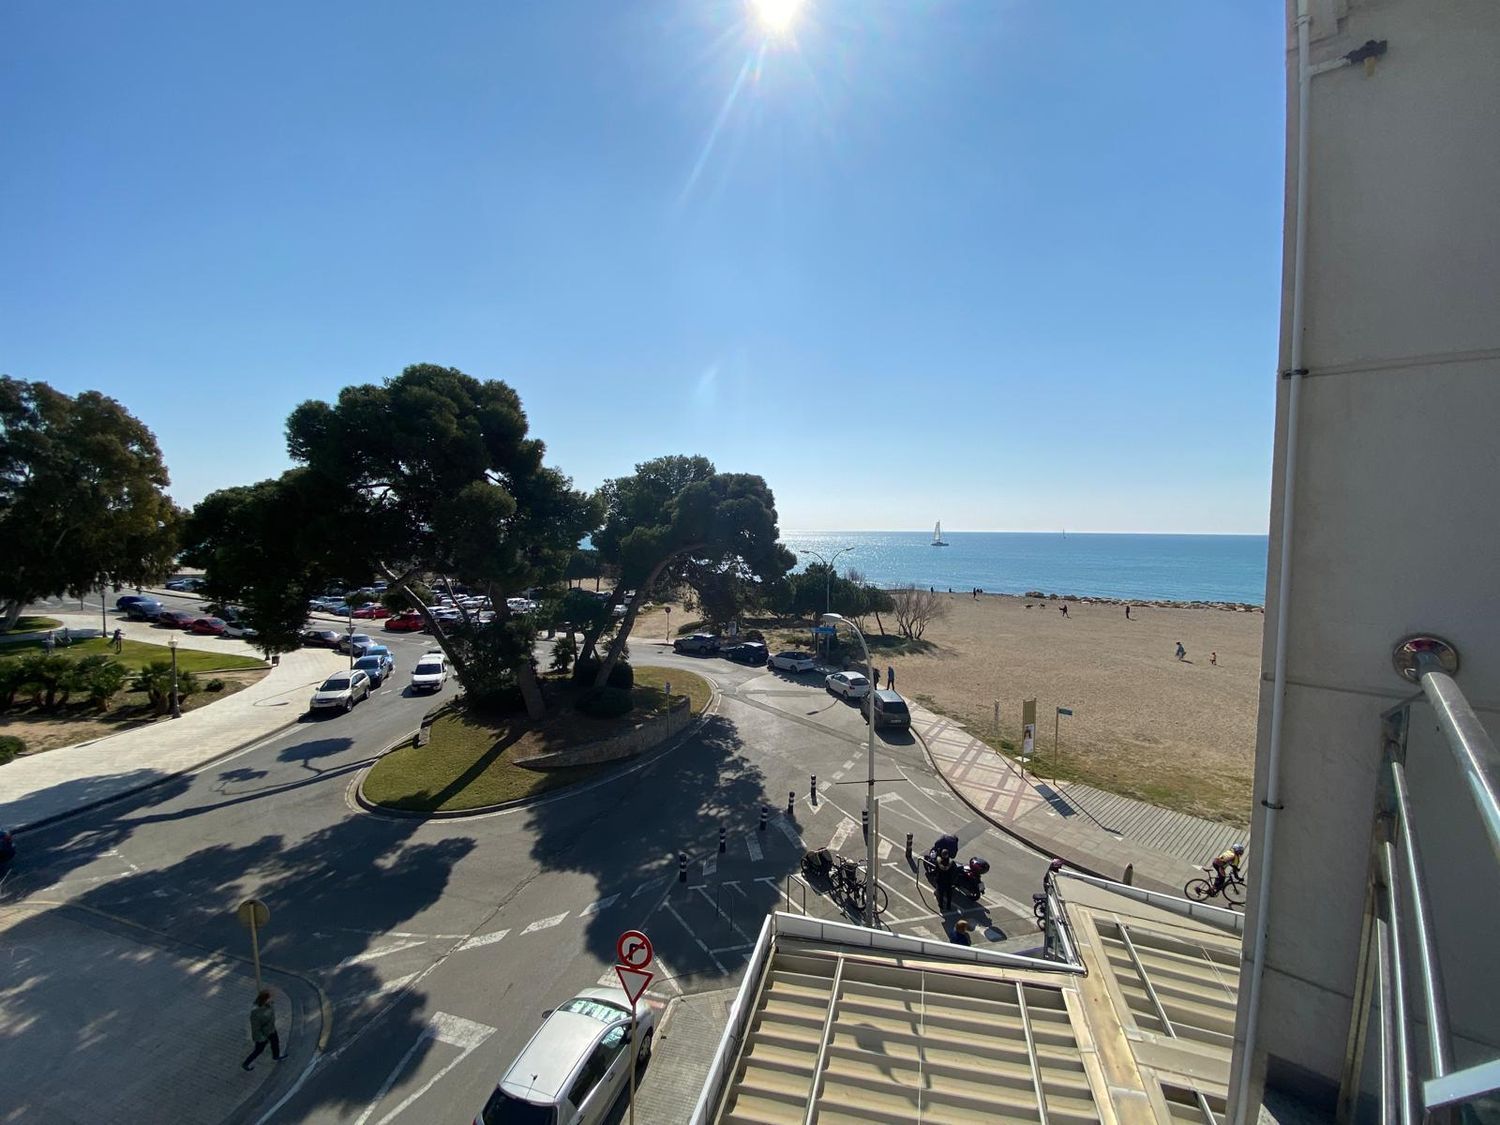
(1177, 733)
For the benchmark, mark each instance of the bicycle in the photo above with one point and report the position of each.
(845, 879)
(1233, 889)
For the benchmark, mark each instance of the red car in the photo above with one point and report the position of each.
(371, 612)
(207, 626)
(405, 623)
(176, 618)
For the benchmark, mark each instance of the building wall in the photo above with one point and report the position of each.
(1397, 489)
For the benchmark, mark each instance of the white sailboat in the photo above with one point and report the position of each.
(937, 535)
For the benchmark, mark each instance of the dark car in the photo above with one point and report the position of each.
(319, 638)
(747, 652)
(127, 600)
(890, 710)
(705, 643)
(142, 609)
(176, 618)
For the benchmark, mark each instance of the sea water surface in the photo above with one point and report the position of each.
(1187, 568)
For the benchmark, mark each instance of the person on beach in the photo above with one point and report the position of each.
(1127, 613)
(1064, 609)
(1213, 658)
(961, 933)
(890, 677)
(1181, 652)
(263, 1029)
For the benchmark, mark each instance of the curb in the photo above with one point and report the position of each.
(179, 946)
(1087, 869)
(667, 747)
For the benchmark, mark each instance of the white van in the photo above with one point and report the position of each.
(430, 673)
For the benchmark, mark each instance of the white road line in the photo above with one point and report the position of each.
(710, 865)
(924, 932)
(545, 923)
(849, 764)
(387, 986)
(664, 974)
(482, 940)
(701, 945)
(596, 907)
(885, 848)
(914, 812)
(727, 917)
(648, 884)
(115, 852)
(733, 948)
(752, 842)
(384, 951)
(786, 829)
(838, 775)
(456, 1032)
(840, 834)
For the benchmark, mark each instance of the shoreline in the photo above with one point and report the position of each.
(1036, 596)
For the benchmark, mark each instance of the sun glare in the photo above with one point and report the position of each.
(776, 16)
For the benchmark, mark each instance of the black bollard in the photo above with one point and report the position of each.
(791, 801)
(682, 867)
(765, 815)
(723, 839)
(813, 789)
(908, 845)
(864, 822)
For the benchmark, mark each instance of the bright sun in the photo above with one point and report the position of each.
(776, 16)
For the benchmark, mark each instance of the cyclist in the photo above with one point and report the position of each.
(1229, 858)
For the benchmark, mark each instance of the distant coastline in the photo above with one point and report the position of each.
(1214, 571)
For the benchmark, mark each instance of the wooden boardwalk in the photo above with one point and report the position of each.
(1190, 838)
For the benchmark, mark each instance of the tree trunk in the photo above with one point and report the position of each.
(617, 646)
(880, 622)
(12, 614)
(531, 692)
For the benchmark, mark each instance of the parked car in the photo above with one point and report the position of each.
(207, 626)
(372, 611)
(430, 674)
(404, 623)
(890, 711)
(355, 643)
(176, 618)
(377, 667)
(143, 609)
(240, 629)
(794, 661)
(747, 652)
(340, 692)
(705, 643)
(576, 1065)
(125, 601)
(320, 638)
(848, 685)
(185, 585)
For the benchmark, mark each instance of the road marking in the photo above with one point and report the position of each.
(882, 798)
(701, 945)
(387, 986)
(710, 865)
(452, 1030)
(849, 764)
(115, 852)
(912, 808)
(924, 932)
(785, 828)
(648, 884)
(837, 774)
(885, 848)
(733, 948)
(727, 917)
(482, 940)
(664, 974)
(596, 907)
(545, 923)
(840, 834)
(752, 842)
(384, 951)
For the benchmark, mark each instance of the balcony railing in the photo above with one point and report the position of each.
(1414, 922)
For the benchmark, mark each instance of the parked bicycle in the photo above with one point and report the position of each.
(1232, 888)
(844, 877)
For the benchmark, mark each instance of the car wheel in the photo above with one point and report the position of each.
(643, 1052)
(348, 705)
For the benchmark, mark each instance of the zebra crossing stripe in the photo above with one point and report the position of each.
(885, 848)
(545, 923)
(596, 907)
(484, 939)
(785, 828)
(752, 843)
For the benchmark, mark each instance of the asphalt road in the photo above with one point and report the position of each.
(440, 943)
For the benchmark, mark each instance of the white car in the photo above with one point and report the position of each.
(239, 629)
(430, 674)
(850, 685)
(575, 1067)
(340, 692)
(794, 661)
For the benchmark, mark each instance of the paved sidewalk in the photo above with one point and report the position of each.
(1092, 830)
(41, 787)
(101, 1018)
(681, 1055)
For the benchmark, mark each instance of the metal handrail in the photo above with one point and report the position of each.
(1398, 884)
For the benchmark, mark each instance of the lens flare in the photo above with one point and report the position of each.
(776, 16)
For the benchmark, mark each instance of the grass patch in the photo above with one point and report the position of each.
(35, 624)
(137, 654)
(471, 758)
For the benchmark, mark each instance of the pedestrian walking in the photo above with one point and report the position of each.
(263, 1029)
(890, 677)
(118, 640)
(961, 933)
(943, 880)
(1213, 658)
(1064, 608)
(1181, 652)
(49, 642)
(1127, 613)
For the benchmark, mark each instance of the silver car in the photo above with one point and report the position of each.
(794, 661)
(340, 692)
(576, 1065)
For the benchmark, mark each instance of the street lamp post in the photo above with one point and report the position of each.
(350, 639)
(176, 706)
(872, 810)
(828, 576)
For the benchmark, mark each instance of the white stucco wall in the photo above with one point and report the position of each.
(1397, 491)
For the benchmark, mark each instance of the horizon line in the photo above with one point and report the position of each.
(1012, 531)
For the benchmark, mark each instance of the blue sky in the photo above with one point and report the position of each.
(1014, 265)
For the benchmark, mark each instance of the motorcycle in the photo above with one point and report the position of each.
(968, 878)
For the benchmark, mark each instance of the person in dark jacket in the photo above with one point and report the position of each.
(961, 933)
(263, 1029)
(942, 878)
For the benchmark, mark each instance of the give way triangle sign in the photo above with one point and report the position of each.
(633, 981)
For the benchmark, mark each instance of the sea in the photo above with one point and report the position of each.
(1180, 568)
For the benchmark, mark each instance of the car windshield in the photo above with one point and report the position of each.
(428, 669)
(336, 683)
(601, 1010)
(367, 662)
(502, 1109)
